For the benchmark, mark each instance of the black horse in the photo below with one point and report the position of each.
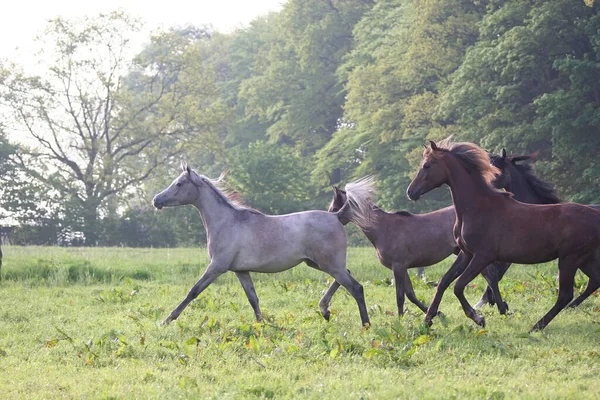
(519, 179)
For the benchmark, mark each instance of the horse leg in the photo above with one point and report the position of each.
(491, 277)
(594, 283)
(566, 278)
(475, 267)
(248, 286)
(410, 293)
(343, 277)
(400, 278)
(211, 273)
(326, 299)
(592, 286)
(459, 265)
(498, 269)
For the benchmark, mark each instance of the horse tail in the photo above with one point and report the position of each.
(359, 208)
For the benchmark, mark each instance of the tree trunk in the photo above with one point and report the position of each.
(90, 224)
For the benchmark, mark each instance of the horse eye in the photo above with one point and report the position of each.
(426, 166)
(179, 184)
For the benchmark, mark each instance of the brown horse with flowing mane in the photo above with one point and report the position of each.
(492, 226)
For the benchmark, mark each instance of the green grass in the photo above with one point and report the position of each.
(83, 323)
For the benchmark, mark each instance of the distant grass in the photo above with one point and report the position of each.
(84, 323)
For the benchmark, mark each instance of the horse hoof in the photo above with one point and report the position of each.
(480, 321)
(167, 321)
(366, 325)
(326, 314)
(428, 322)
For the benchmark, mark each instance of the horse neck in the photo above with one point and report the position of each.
(521, 189)
(372, 233)
(466, 189)
(213, 210)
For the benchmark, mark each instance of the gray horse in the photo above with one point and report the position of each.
(243, 240)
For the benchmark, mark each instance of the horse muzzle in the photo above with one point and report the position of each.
(157, 203)
(412, 194)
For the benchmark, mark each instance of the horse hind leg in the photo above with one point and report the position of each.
(492, 277)
(566, 277)
(326, 299)
(499, 269)
(343, 277)
(593, 272)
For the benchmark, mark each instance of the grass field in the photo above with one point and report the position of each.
(83, 323)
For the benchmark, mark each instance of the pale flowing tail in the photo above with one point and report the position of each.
(359, 208)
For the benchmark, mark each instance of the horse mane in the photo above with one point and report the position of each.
(358, 195)
(471, 156)
(544, 190)
(229, 197)
(404, 213)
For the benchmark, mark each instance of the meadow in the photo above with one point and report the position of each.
(84, 323)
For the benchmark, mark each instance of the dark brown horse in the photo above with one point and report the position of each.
(404, 240)
(492, 226)
(519, 179)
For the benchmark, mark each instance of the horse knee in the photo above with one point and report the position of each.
(459, 289)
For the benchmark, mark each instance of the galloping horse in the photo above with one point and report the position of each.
(243, 240)
(492, 226)
(526, 187)
(404, 240)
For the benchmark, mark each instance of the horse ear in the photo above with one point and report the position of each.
(504, 154)
(433, 145)
(188, 169)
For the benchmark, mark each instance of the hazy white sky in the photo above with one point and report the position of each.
(22, 20)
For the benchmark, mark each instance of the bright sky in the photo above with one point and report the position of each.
(22, 20)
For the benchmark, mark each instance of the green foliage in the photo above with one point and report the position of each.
(271, 177)
(321, 93)
(96, 318)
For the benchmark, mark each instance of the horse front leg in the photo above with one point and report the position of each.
(410, 293)
(400, 275)
(246, 281)
(461, 262)
(475, 267)
(213, 271)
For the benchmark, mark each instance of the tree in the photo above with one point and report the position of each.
(271, 178)
(92, 140)
(531, 83)
(404, 52)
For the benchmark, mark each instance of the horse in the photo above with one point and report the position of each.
(519, 179)
(404, 240)
(492, 226)
(243, 240)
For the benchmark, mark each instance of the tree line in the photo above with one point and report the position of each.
(317, 94)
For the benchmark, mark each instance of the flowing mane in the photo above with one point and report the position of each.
(473, 158)
(544, 190)
(229, 197)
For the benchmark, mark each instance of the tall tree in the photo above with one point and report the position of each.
(531, 83)
(87, 138)
(404, 52)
